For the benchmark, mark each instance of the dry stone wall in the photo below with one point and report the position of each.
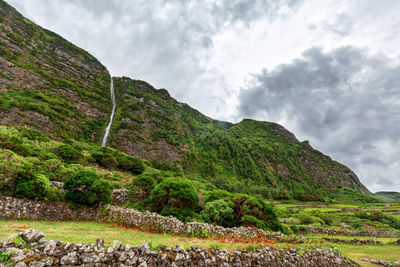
(17, 208)
(30, 248)
(328, 231)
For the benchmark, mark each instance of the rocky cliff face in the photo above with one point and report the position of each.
(47, 82)
(53, 86)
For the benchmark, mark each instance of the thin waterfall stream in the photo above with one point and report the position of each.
(104, 142)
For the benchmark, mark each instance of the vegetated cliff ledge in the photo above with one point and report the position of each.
(30, 248)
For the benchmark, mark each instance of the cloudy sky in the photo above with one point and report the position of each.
(329, 71)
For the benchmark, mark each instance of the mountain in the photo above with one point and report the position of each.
(50, 85)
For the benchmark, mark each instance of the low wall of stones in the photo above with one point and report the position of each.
(353, 241)
(328, 231)
(18, 208)
(169, 224)
(35, 250)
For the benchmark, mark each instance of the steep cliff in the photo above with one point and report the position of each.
(48, 83)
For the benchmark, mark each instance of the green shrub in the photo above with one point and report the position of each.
(69, 153)
(248, 220)
(30, 184)
(259, 209)
(130, 163)
(34, 135)
(176, 197)
(87, 188)
(216, 195)
(326, 218)
(141, 187)
(110, 158)
(218, 212)
(304, 218)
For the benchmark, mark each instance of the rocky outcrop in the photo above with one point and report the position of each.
(30, 248)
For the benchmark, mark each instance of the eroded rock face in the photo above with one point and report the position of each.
(55, 253)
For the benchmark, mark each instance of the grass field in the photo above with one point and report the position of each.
(88, 232)
(375, 252)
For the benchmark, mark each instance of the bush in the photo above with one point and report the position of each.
(262, 211)
(218, 212)
(34, 135)
(86, 187)
(69, 154)
(304, 218)
(110, 158)
(176, 197)
(215, 195)
(30, 184)
(141, 187)
(131, 164)
(326, 218)
(258, 212)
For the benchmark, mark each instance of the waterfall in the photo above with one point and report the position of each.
(103, 143)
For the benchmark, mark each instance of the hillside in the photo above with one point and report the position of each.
(251, 156)
(388, 196)
(50, 85)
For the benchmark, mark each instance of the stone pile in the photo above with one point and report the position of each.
(30, 248)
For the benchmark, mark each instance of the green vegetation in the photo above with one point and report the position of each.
(29, 159)
(87, 188)
(351, 196)
(174, 196)
(389, 196)
(46, 78)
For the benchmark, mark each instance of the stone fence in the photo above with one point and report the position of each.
(30, 248)
(329, 231)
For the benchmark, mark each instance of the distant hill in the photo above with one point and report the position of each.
(388, 196)
(51, 85)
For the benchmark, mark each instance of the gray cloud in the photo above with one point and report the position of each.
(345, 101)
